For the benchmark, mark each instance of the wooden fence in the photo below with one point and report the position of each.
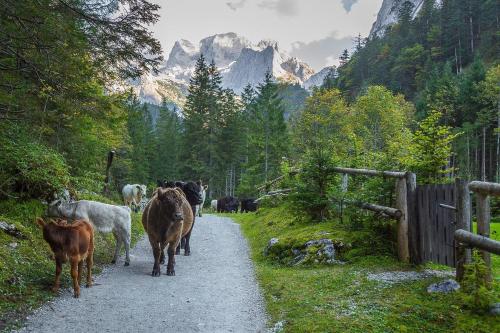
(434, 221)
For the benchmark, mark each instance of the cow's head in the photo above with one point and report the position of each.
(53, 209)
(191, 189)
(141, 189)
(171, 201)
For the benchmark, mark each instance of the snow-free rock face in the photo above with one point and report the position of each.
(239, 61)
(183, 54)
(317, 79)
(251, 67)
(223, 49)
(388, 14)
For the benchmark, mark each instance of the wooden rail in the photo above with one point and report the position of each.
(406, 185)
(367, 172)
(470, 239)
(483, 191)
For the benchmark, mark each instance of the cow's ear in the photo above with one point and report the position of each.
(40, 222)
(138, 187)
(205, 187)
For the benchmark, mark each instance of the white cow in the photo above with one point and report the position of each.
(203, 194)
(132, 195)
(213, 204)
(105, 218)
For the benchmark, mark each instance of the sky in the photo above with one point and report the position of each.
(316, 31)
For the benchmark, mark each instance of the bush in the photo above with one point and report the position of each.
(476, 294)
(29, 169)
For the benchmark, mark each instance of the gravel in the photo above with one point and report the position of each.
(214, 290)
(403, 276)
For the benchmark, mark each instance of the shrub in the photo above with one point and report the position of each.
(28, 168)
(476, 294)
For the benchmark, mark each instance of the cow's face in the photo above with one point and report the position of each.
(53, 208)
(171, 200)
(142, 189)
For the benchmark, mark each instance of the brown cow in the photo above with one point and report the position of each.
(167, 218)
(73, 242)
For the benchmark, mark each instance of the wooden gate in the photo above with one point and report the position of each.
(435, 224)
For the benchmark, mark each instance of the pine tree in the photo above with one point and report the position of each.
(344, 58)
(268, 138)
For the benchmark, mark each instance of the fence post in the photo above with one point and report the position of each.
(402, 205)
(413, 228)
(483, 228)
(462, 205)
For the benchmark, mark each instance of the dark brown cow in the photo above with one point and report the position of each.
(73, 242)
(167, 218)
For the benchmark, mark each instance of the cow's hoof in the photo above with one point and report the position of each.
(126, 263)
(76, 295)
(187, 253)
(156, 272)
(170, 272)
(88, 285)
(55, 290)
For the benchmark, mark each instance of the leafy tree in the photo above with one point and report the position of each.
(430, 150)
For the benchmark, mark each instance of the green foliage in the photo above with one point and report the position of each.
(339, 298)
(431, 150)
(439, 60)
(476, 293)
(28, 168)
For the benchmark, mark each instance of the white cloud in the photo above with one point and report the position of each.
(322, 52)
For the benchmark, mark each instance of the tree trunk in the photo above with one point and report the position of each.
(483, 156)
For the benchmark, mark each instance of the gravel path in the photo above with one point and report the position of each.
(214, 290)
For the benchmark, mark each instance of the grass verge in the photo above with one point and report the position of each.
(340, 298)
(26, 265)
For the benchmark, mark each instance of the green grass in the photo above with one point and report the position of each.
(339, 298)
(27, 271)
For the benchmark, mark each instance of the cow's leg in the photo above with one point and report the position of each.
(118, 246)
(162, 257)
(80, 271)
(127, 250)
(74, 277)
(181, 245)
(187, 248)
(90, 263)
(155, 246)
(55, 288)
(171, 259)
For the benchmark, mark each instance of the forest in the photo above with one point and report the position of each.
(422, 97)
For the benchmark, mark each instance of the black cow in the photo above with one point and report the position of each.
(228, 205)
(248, 205)
(193, 195)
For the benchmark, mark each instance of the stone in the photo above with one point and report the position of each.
(495, 309)
(13, 245)
(270, 244)
(11, 229)
(446, 286)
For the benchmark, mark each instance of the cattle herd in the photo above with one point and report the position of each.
(168, 219)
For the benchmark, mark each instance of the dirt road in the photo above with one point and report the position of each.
(214, 290)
